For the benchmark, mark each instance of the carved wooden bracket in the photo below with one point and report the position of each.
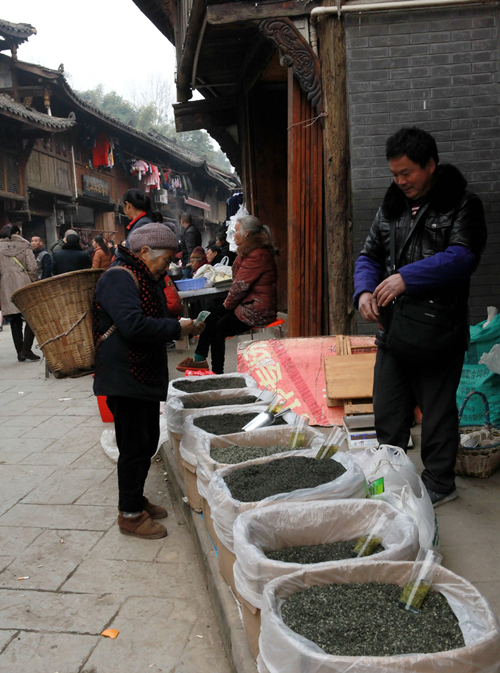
(298, 55)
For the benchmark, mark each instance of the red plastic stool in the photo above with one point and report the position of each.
(276, 323)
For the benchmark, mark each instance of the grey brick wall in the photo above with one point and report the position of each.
(438, 69)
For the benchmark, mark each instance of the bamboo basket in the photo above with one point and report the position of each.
(479, 462)
(59, 311)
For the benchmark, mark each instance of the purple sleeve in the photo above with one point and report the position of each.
(454, 264)
(367, 275)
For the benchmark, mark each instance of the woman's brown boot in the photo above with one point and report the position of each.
(141, 526)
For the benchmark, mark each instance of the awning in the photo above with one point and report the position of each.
(197, 204)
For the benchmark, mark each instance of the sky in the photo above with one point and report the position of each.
(107, 42)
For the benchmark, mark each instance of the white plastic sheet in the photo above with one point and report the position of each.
(404, 489)
(250, 382)
(175, 412)
(226, 509)
(492, 359)
(278, 435)
(311, 523)
(191, 434)
(283, 651)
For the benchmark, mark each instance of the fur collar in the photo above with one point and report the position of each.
(445, 194)
(251, 243)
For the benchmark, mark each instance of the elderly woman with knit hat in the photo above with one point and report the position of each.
(131, 331)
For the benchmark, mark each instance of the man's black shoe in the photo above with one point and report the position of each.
(438, 499)
(30, 356)
(21, 358)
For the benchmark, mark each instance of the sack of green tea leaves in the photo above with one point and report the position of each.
(226, 507)
(305, 530)
(403, 488)
(218, 422)
(228, 451)
(178, 407)
(352, 618)
(196, 384)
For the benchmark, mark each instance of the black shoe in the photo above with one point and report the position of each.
(30, 356)
(438, 499)
(21, 358)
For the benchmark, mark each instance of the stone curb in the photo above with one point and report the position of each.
(225, 608)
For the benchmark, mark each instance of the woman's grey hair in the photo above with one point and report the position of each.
(156, 252)
(253, 226)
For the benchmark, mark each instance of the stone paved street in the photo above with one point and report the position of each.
(58, 530)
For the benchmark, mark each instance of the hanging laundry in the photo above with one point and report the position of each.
(139, 168)
(100, 151)
(152, 179)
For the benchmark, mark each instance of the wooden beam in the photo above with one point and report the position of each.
(244, 10)
(203, 114)
(185, 69)
(337, 201)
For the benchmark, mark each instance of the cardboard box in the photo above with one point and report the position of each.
(209, 524)
(194, 498)
(251, 623)
(226, 561)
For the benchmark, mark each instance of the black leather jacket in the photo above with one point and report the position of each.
(451, 216)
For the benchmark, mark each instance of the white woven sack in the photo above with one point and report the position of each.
(311, 523)
(250, 382)
(283, 651)
(278, 435)
(225, 509)
(175, 412)
(191, 434)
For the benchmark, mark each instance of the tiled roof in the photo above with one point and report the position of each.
(19, 31)
(33, 117)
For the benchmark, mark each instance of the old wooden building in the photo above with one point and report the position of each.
(75, 172)
(302, 94)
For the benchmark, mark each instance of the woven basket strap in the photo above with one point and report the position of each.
(60, 336)
(487, 421)
(113, 327)
(106, 334)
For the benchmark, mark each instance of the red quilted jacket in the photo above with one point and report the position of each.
(253, 293)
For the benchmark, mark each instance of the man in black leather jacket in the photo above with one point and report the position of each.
(190, 239)
(440, 233)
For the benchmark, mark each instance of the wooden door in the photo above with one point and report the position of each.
(305, 214)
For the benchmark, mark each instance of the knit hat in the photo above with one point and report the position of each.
(155, 235)
(71, 232)
(72, 239)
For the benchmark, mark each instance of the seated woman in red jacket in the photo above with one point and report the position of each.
(251, 301)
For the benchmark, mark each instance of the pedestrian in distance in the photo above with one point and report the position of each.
(412, 278)
(18, 269)
(190, 239)
(70, 257)
(137, 208)
(101, 258)
(131, 330)
(43, 258)
(251, 300)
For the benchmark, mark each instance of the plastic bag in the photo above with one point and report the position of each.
(175, 413)
(283, 651)
(250, 382)
(492, 359)
(231, 226)
(226, 509)
(191, 434)
(404, 489)
(311, 523)
(278, 435)
(108, 441)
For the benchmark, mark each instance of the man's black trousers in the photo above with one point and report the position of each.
(398, 388)
(137, 426)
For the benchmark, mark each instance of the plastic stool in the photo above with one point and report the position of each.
(276, 323)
